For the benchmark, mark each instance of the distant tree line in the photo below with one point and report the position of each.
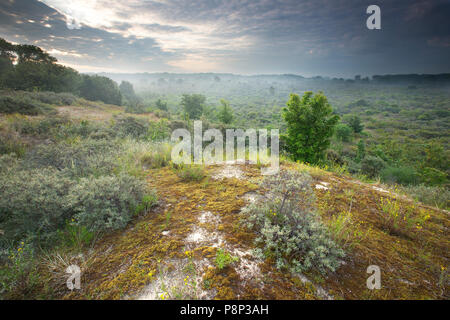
(413, 78)
(28, 67)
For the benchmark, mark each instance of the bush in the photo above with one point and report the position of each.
(191, 173)
(8, 163)
(399, 219)
(71, 129)
(224, 259)
(400, 175)
(33, 204)
(130, 126)
(159, 130)
(343, 132)
(371, 166)
(334, 157)
(36, 203)
(288, 228)
(23, 106)
(87, 157)
(42, 127)
(10, 143)
(434, 196)
(433, 176)
(158, 157)
(48, 97)
(107, 202)
(75, 236)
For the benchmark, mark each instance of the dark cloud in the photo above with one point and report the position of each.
(268, 36)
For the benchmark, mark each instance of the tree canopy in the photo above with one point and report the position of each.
(193, 105)
(310, 124)
(29, 68)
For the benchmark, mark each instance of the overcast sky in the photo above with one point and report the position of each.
(306, 37)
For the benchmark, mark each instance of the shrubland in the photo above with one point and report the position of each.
(80, 181)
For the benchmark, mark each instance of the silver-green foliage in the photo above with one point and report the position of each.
(35, 203)
(107, 202)
(288, 228)
(96, 157)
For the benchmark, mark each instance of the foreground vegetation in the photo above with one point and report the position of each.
(92, 184)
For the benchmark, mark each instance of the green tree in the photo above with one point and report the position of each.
(6, 67)
(100, 88)
(226, 113)
(130, 99)
(310, 125)
(343, 132)
(193, 105)
(127, 90)
(30, 53)
(161, 105)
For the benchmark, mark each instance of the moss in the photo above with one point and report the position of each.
(411, 267)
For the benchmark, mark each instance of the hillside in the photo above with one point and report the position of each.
(170, 252)
(193, 242)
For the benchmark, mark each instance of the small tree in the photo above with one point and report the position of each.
(355, 123)
(343, 132)
(226, 113)
(161, 105)
(310, 125)
(193, 105)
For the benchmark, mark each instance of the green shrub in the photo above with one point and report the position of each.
(107, 202)
(191, 173)
(75, 236)
(159, 156)
(48, 97)
(432, 176)
(372, 166)
(343, 132)
(148, 201)
(434, 196)
(288, 228)
(36, 203)
(82, 128)
(159, 130)
(33, 204)
(42, 127)
(10, 143)
(84, 158)
(23, 106)
(224, 259)
(399, 219)
(130, 126)
(400, 175)
(8, 163)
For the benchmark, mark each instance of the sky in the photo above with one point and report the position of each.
(305, 37)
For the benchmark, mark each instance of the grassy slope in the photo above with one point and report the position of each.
(124, 263)
(128, 263)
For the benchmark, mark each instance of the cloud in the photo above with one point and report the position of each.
(244, 36)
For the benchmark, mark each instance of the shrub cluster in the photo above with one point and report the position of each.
(55, 183)
(22, 105)
(288, 228)
(190, 173)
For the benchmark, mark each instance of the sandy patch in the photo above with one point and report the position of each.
(228, 171)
